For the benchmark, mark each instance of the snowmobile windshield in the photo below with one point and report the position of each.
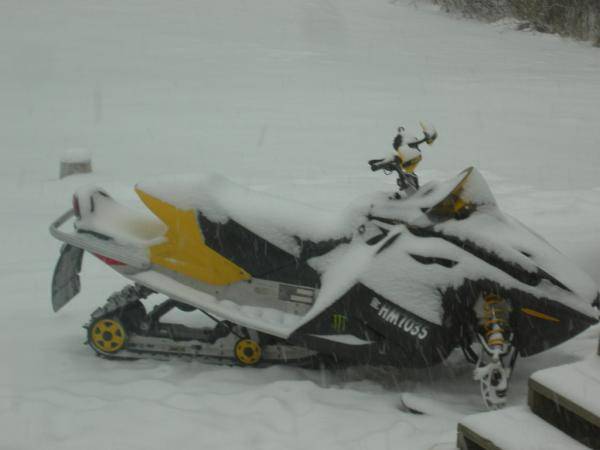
(463, 195)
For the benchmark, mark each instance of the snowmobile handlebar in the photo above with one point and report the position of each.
(379, 164)
(416, 144)
(429, 137)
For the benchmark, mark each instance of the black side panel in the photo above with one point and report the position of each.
(412, 340)
(310, 249)
(533, 333)
(539, 334)
(508, 267)
(255, 255)
(399, 338)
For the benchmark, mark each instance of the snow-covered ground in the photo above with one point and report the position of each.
(290, 97)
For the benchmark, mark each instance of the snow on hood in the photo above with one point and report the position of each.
(395, 273)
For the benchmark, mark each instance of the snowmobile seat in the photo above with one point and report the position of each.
(219, 232)
(107, 219)
(289, 225)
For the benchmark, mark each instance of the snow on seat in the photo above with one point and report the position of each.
(280, 221)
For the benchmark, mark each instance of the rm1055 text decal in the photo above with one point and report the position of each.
(396, 317)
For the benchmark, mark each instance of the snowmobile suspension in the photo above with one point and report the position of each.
(495, 323)
(118, 300)
(498, 356)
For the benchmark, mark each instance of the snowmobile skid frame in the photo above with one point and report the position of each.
(122, 329)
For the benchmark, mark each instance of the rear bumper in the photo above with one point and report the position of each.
(131, 256)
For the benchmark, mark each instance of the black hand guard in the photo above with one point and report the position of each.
(376, 164)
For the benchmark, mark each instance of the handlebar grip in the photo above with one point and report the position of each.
(375, 164)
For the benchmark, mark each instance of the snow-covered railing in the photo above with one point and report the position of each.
(554, 405)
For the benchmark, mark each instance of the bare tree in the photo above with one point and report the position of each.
(576, 18)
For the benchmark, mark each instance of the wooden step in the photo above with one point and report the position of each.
(568, 397)
(515, 428)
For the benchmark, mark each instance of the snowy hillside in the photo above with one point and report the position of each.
(291, 98)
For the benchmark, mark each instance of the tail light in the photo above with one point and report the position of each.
(76, 208)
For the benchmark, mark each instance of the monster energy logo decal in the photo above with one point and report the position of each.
(338, 322)
(399, 319)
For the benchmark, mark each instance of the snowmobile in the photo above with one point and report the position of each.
(393, 280)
